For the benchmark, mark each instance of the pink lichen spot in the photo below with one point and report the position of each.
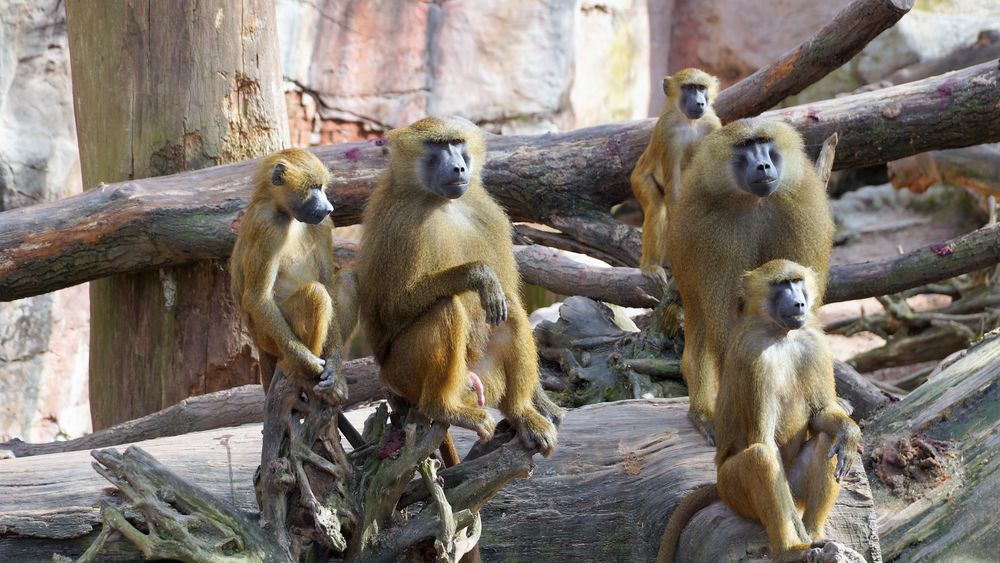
(235, 225)
(944, 93)
(942, 249)
(392, 443)
(353, 155)
(611, 147)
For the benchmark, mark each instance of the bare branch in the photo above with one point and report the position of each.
(833, 45)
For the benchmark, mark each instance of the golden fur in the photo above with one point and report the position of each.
(719, 231)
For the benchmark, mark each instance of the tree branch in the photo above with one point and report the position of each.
(229, 407)
(973, 251)
(561, 177)
(833, 45)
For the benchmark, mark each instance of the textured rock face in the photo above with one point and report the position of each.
(932, 29)
(512, 66)
(44, 339)
(732, 38)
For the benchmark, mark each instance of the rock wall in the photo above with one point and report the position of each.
(513, 66)
(44, 339)
(732, 38)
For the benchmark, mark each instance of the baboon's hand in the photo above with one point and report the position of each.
(332, 387)
(845, 447)
(492, 297)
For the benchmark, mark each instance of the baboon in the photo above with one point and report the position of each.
(296, 306)
(779, 423)
(439, 289)
(686, 118)
(750, 195)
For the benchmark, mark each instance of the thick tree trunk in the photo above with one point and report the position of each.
(566, 180)
(603, 496)
(160, 88)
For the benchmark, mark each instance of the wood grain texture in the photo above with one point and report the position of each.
(956, 519)
(160, 88)
(561, 178)
(605, 495)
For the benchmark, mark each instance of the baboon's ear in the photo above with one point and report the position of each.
(278, 176)
(666, 85)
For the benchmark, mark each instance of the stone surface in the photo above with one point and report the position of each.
(44, 339)
(513, 66)
(733, 38)
(932, 29)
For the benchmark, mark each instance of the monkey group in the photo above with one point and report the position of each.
(743, 220)
(738, 214)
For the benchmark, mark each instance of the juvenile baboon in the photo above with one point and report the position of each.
(686, 118)
(750, 195)
(779, 424)
(296, 306)
(439, 289)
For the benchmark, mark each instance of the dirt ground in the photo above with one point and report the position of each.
(879, 222)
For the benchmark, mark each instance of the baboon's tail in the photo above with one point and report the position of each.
(693, 502)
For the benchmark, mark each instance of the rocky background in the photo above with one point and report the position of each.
(355, 68)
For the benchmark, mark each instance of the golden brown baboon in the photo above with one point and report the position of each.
(686, 118)
(439, 289)
(284, 279)
(750, 195)
(779, 424)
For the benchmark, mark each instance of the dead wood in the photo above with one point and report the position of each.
(865, 398)
(986, 47)
(229, 407)
(604, 495)
(934, 464)
(974, 168)
(317, 500)
(937, 262)
(829, 48)
(184, 521)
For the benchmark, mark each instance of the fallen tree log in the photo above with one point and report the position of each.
(934, 465)
(561, 273)
(833, 45)
(229, 407)
(974, 168)
(605, 495)
(560, 179)
(967, 253)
